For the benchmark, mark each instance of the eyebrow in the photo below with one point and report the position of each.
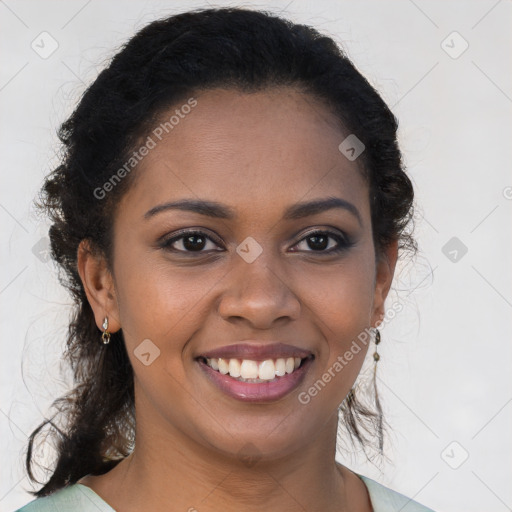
(220, 211)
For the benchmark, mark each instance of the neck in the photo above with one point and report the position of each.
(177, 471)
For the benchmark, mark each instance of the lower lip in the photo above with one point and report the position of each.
(257, 391)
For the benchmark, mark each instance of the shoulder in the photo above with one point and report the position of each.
(74, 498)
(386, 500)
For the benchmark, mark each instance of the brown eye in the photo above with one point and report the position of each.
(190, 241)
(326, 242)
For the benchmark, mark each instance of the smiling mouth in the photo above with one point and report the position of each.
(257, 372)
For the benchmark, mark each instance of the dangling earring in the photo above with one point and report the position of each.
(376, 358)
(105, 337)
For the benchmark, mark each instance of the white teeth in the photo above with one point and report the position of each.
(267, 370)
(223, 366)
(280, 367)
(248, 369)
(244, 369)
(234, 368)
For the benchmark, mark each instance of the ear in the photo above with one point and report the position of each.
(385, 271)
(99, 286)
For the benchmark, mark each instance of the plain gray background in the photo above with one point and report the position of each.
(444, 375)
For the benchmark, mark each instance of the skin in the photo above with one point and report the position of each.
(258, 154)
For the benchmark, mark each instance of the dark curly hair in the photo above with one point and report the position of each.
(167, 61)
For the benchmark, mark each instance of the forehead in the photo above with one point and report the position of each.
(252, 150)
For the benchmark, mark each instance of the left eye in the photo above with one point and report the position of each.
(321, 241)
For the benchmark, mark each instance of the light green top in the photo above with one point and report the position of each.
(80, 498)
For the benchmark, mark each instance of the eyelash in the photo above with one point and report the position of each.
(344, 242)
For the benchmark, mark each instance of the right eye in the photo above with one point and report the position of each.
(190, 241)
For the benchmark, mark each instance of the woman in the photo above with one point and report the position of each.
(228, 213)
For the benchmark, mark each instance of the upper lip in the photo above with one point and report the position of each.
(257, 352)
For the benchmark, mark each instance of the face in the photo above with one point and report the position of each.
(248, 272)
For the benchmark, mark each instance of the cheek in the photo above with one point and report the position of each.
(340, 296)
(339, 302)
(160, 303)
(159, 300)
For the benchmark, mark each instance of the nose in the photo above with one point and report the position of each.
(260, 294)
